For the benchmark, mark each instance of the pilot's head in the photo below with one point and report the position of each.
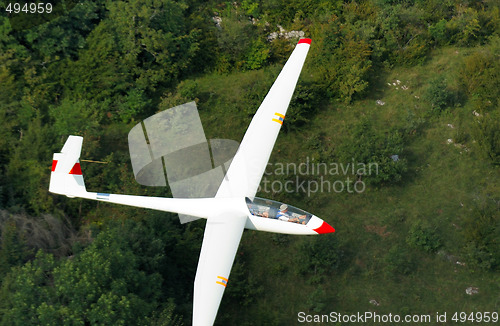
(283, 207)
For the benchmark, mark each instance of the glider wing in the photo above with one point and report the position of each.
(245, 172)
(220, 243)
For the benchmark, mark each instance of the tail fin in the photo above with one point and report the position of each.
(66, 177)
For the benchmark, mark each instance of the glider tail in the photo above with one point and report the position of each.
(66, 177)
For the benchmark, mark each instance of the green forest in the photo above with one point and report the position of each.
(410, 85)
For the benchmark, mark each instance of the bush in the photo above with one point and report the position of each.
(342, 63)
(438, 32)
(438, 94)
(402, 34)
(13, 248)
(399, 261)
(235, 41)
(423, 236)
(374, 149)
(482, 233)
(317, 300)
(479, 79)
(479, 76)
(320, 255)
(486, 131)
(465, 26)
(244, 288)
(188, 89)
(257, 55)
(304, 104)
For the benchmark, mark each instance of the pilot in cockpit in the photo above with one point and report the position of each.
(258, 210)
(284, 215)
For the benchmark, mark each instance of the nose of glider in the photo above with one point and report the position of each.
(318, 226)
(324, 228)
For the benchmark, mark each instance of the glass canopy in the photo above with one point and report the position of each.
(267, 208)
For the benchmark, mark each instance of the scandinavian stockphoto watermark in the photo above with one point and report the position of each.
(310, 177)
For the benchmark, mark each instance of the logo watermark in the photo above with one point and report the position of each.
(310, 177)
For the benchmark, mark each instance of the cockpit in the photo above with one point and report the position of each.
(267, 208)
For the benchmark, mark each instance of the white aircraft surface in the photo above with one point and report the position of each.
(233, 208)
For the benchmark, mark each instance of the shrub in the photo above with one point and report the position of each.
(438, 94)
(188, 89)
(479, 76)
(134, 103)
(257, 55)
(438, 32)
(374, 149)
(482, 233)
(466, 26)
(342, 63)
(402, 34)
(234, 39)
(423, 236)
(304, 104)
(316, 301)
(244, 288)
(486, 131)
(320, 255)
(399, 261)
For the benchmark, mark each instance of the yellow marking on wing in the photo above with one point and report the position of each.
(220, 283)
(280, 115)
(278, 121)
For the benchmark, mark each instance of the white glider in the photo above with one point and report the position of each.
(234, 207)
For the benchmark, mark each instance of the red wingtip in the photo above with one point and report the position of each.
(325, 228)
(305, 40)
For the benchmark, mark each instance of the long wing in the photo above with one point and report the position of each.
(246, 170)
(220, 243)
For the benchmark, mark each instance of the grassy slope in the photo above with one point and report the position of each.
(439, 187)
